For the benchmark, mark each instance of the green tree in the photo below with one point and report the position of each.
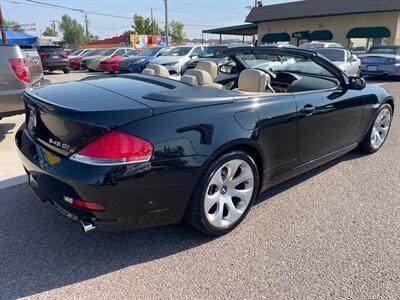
(50, 31)
(143, 25)
(12, 25)
(73, 32)
(176, 32)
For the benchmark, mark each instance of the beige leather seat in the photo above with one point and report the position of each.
(189, 79)
(149, 72)
(208, 66)
(159, 70)
(203, 78)
(253, 81)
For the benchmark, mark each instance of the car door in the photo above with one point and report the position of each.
(328, 120)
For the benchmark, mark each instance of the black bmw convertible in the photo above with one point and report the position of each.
(133, 151)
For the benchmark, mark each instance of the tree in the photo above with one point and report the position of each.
(145, 26)
(50, 31)
(176, 32)
(12, 25)
(73, 32)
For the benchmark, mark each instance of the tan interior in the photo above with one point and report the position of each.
(255, 81)
(149, 72)
(189, 79)
(208, 66)
(159, 70)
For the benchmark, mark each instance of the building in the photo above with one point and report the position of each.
(352, 23)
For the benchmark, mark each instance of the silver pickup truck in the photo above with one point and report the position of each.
(19, 69)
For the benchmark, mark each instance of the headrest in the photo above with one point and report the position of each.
(251, 80)
(149, 72)
(189, 79)
(208, 66)
(160, 70)
(203, 77)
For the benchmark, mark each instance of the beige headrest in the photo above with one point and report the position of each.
(189, 79)
(251, 80)
(208, 66)
(149, 72)
(160, 70)
(203, 77)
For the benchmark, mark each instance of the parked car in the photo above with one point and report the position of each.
(112, 64)
(92, 63)
(211, 53)
(136, 64)
(358, 50)
(75, 62)
(177, 57)
(135, 151)
(381, 61)
(19, 69)
(79, 52)
(318, 45)
(344, 59)
(53, 58)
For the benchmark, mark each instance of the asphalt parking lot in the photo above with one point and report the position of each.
(333, 232)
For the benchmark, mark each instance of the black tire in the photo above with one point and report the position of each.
(195, 214)
(366, 144)
(66, 70)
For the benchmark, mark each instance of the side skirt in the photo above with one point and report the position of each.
(304, 167)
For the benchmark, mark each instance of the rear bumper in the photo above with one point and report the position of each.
(380, 70)
(135, 196)
(56, 66)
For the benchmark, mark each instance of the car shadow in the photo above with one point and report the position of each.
(5, 129)
(40, 250)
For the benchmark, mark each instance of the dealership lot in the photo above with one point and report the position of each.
(332, 232)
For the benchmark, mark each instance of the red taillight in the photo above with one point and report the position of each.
(20, 69)
(392, 61)
(84, 204)
(115, 148)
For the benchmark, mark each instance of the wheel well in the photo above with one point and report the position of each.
(391, 103)
(254, 154)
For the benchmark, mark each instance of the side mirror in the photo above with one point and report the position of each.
(356, 83)
(227, 69)
(194, 56)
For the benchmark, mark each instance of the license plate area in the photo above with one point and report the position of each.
(372, 68)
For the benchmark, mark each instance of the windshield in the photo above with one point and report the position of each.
(213, 52)
(149, 52)
(107, 52)
(383, 50)
(178, 51)
(77, 52)
(283, 63)
(331, 54)
(91, 52)
(131, 53)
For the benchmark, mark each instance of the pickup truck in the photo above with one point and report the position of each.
(19, 69)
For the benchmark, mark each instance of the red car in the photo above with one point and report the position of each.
(112, 64)
(75, 62)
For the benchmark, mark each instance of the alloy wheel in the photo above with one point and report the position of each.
(380, 128)
(229, 193)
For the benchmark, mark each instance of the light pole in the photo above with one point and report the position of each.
(166, 23)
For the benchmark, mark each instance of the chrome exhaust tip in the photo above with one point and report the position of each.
(86, 226)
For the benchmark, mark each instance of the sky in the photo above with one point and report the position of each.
(195, 14)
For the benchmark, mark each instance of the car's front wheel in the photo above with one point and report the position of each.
(224, 194)
(378, 131)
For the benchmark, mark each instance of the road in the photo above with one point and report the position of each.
(331, 233)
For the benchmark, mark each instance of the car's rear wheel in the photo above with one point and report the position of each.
(379, 130)
(224, 194)
(66, 70)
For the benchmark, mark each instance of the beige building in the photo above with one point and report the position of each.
(352, 23)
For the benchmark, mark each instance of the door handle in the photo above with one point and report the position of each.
(307, 110)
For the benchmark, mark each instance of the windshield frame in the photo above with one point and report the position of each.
(168, 53)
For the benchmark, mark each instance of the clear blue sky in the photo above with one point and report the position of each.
(195, 14)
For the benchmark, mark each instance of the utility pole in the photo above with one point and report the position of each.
(152, 21)
(166, 22)
(87, 26)
(3, 32)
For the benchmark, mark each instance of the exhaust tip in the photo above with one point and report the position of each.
(86, 226)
